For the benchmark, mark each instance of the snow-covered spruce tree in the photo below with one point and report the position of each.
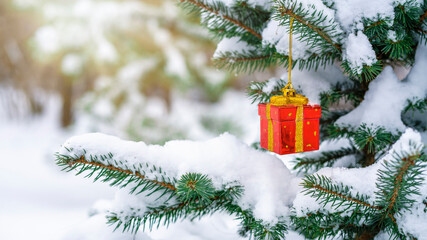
(368, 179)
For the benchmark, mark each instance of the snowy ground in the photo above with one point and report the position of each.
(37, 201)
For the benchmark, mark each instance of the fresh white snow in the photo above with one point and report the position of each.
(358, 52)
(351, 12)
(233, 44)
(387, 95)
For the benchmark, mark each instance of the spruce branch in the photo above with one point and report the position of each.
(195, 186)
(320, 225)
(314, 61)
(415, 104)
(372, 142)
(196, 197)
(326, 159)
(326, 123)
(221, 11)
(367, 74)
(401, 50)
(257, 146)
(339, 131)
(407, 15)
(322, 188)
(413, 112)
(245, 61)
(398, 182)
(193, 195)
(152, 217)
(309, 24)
(373, 139)
(121, 177)
(257, 229)
(376, 31)
(410, 20)
(256, 90)
(222, 200)
(349, 92)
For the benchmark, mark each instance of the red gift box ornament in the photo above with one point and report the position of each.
(288, 123)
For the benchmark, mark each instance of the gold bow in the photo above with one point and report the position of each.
(289, 97)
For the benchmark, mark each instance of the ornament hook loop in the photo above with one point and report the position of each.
(288, 90)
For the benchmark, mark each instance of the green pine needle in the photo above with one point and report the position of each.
(194, 186)
(105, 168)
(257, 94)
(349, 92)
(367, 74)
(416, 105)
(246, 61)
(399, 181)
(309, 24)
(325, 159)
(337, 195)
(373, 139)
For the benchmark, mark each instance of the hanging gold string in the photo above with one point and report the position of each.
(290, 50)
(299, 147)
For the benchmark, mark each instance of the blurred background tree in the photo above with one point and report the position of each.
(17, 67)
(120, 64)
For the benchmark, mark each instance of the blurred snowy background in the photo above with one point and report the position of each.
(139, 70)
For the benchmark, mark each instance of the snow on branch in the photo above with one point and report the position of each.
(226, 161)
(239, 56)
(322, 188)
(107, 169)
(359, 52)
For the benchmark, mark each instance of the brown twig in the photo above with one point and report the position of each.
(408, 161)
(421, 30)
(110, 167)
(374, 24)
(170, 208)
(234, 21)
(423, 16)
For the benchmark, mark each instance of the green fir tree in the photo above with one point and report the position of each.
(371, 50)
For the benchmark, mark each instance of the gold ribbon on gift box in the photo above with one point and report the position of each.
(289, 97)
